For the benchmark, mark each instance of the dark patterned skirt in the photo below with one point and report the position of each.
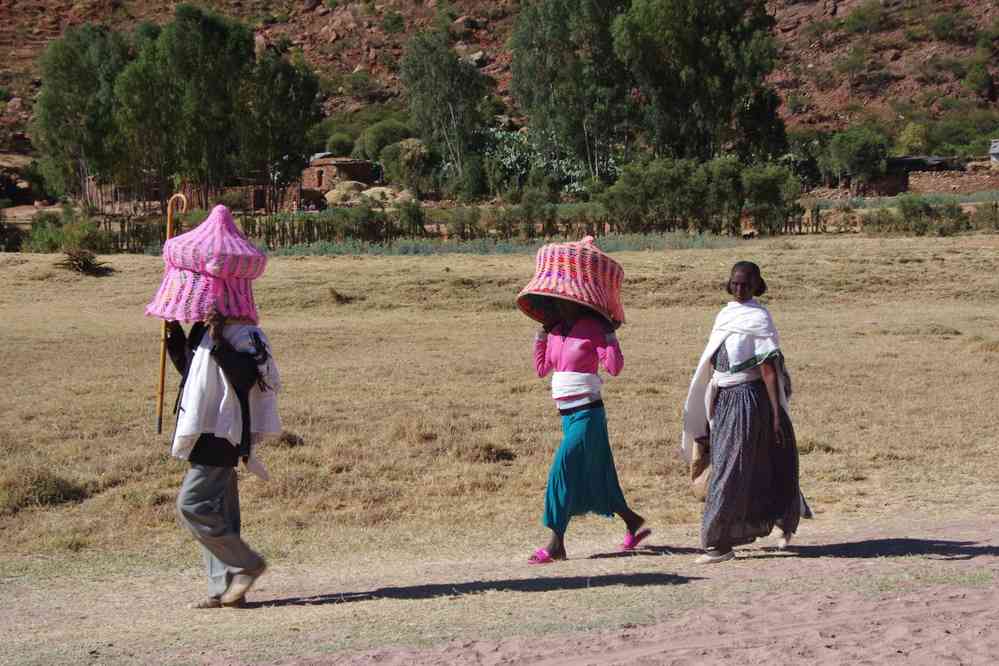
(754, 482)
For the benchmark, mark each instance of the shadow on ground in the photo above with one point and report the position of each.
(415, 592)
(935, 548)
(649, 550)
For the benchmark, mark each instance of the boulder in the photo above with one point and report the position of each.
(479, 59)
(382, 195)
(345, 192)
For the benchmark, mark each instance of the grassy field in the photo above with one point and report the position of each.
(410, 383)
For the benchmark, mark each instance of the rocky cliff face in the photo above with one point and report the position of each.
(836, 64)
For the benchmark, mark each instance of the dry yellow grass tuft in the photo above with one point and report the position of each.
(410, 401)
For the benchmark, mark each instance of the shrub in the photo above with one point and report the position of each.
(233, 200)
(979, 81)
(84, 261)
(393, 22)
(464, 223)
(46, 232)
(412, 219)
(372, 140)
(869, 17)
(11, 236)
(956, 27)
(364, 86)
(881, 221)
(340, 144)
(860, 153)
(913, 140)
(332, 4)
(408, 163)
(797, 104)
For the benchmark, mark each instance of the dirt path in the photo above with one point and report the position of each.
(907, 590)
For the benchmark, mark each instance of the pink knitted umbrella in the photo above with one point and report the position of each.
(210, 267)
(578, 272)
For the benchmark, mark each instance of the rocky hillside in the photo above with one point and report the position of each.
(840, 59)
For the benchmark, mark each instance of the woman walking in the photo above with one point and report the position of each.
(575, 294)
(228, 394)
(738, 406)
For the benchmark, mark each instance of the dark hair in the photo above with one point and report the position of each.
(754, 271)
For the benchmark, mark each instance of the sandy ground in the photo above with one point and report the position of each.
(907, 589)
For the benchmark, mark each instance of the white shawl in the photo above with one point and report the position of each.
(209, 403)
(750, 338)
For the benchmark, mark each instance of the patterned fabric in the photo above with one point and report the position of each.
(582, 478)
(210, 267)
(754, 483)
(578, 272)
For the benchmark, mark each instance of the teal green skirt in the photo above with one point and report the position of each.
(582, 478)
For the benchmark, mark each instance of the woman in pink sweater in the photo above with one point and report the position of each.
(582, 477)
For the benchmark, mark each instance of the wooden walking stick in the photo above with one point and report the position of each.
(163, 331)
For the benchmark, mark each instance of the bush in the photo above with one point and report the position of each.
(46, 233)
(372, 140)
(860, 153)
(956, 27)
(11, 236)
(869, 17)
(234, 200)
(340, 144)
(408, 163)
(979, 81)
(393, 22)
(5, 95)
(412, 219)
(464, 223)
(362, 85)
(84, 261)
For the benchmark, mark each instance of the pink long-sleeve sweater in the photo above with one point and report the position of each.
(584, 349)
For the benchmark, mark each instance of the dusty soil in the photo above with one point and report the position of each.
(898, 589)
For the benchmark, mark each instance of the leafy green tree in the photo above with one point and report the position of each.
(697, 63)
(279, 102)
(207, 56)
(860, 153)
(444, 95)
(725, 195)
(147, 121)
(772, 192)
(570, 82)
(74, 126)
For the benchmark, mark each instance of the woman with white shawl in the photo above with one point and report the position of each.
(737, 407)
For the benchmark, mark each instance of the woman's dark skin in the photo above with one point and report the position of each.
(567, 313)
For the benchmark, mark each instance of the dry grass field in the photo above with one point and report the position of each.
(425, 436)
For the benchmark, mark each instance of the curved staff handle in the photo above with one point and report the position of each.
(163, 331)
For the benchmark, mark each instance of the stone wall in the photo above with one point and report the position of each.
(953, 182)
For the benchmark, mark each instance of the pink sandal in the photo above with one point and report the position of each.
(540, 556)
(631, 541)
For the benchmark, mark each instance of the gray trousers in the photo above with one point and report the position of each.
(208, 505)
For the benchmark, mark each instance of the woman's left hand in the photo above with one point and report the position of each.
(778, 433)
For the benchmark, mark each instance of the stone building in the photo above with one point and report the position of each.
(325, 171)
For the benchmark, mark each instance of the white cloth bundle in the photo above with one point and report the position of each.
(584, 386)
(750, 339)
(209, 403)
